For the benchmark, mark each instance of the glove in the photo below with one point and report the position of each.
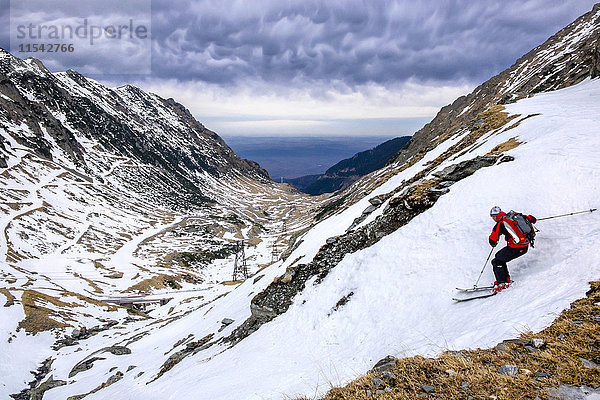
(532, 219)
(493, 243)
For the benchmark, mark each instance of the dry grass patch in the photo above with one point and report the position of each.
(572, 338)
(161, 281)
(39, 318)
(419, 191)
(231, 283)
(506, 146)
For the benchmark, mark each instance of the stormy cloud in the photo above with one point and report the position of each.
(352, 41)
(306, 66)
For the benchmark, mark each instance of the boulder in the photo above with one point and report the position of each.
(385, 364)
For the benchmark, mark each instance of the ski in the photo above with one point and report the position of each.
(483, 296)
(478, 288)
(475, 289)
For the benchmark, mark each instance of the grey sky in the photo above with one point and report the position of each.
(325, 66)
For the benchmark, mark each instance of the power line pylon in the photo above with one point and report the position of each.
(239, 265)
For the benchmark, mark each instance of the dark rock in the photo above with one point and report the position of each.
(378, 382)
(117, 350)
(88, 362)
(595, 70)
(385, 364)
(509, 370)
(540, 374)
(531, 349)
(331, 240)
(84, 365)
(342, 302)
(501, 348)
(190, 349)
(465, 385)
(428, 388)
(464, 169)
(388, 375)
(50, 383)
(115, 378)
(562, 337)
(369, 209)
(577, 323)
(38, 375)
(376, 201)
(225, 323)
(504, 159)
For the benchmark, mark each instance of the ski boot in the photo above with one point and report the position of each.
(500, 286)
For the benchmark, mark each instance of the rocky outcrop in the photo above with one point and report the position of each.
(463, 169)
(595, 73)
(35, 386)
(88, 362)
(191, 348)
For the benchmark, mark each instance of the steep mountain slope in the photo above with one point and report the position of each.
(107, 194)
(348, 171)
(374, 276)
(76, 120)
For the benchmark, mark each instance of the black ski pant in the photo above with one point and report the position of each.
(502, 257)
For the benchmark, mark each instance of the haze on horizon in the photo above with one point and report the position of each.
(315, 67)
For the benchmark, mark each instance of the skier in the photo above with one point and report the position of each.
(517, 242)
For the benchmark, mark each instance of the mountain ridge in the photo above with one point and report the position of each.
(126, 121)
(347, 171)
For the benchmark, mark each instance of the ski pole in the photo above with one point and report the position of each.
(566, 215)
(484, 265)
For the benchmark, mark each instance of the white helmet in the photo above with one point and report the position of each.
(495, 211)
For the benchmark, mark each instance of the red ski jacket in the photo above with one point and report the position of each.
(501, 229)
